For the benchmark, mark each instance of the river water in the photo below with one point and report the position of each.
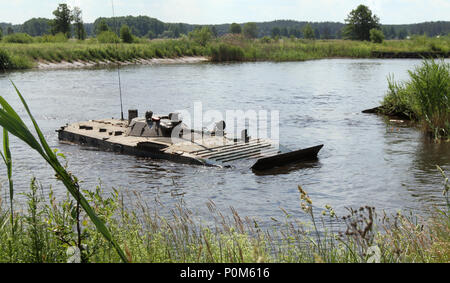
(366, 159)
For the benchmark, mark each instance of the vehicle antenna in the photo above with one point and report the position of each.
(118, 61)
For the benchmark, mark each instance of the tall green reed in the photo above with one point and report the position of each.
(6, 156)
(11, 122)
(425, 97)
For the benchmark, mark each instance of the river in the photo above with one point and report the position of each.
(366, 160)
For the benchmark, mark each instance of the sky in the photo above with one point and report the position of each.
(228, 11)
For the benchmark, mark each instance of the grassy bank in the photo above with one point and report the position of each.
(22, 56)
(425, 97)
(43, 231)
(227, 48)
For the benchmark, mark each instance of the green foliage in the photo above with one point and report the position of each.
(11, 122)
(139, 26)
(226, 52)
(308, 32)
(45, 233)
(359, 23)
(201, 36)
(235, 28)
(125, 34)
(376, 36)
(276, 32)
(36, 26)
(48, 38)
(250, 30)
(22, 38)
(10, 61)
(426, 97)
(80, 32)
(108, 37)
(1, 34)
(266, 39)
(150, 35)
(283, 49)
(6, 156)
(430, 85)
(62, 21)
(101, 27)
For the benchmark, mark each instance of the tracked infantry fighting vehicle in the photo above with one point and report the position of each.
(167, 137)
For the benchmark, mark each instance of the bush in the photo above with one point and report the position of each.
(201, 36)
(108, 37)
(376, 36)
(48, 38)
(125, 34)
(13, 62)
(266, 39)
(426, 97)
(18, 38)
(226, 52)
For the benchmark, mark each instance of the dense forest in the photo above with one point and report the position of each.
(144, 26)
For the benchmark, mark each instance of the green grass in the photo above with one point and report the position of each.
(13, 124)
(92, 51)
(424, 98)
(227, 48)
(44, 233)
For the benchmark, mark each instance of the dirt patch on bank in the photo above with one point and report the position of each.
(46, 65)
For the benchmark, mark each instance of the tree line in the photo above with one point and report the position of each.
(69, 21)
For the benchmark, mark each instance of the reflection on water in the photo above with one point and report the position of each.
(365, 161)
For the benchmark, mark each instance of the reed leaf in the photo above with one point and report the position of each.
(12, 123)
(7, 159)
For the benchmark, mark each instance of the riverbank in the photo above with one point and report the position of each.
(43, 233)
(48, 65)
(75, 54)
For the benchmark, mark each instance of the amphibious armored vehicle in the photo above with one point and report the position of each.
(167, 137)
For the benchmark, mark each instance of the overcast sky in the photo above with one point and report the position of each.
(227, 11)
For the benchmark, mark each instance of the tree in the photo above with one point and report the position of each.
(402, 34)
(10, 30)
(201, 36)
(36, 26)
(376, 36)
(102, 26)
(214, 31)
(359, 23)
(174, 30)
(316, 33)
(392, 33)
(326, 34)
(125, 34)
(108, 37)
(150, 35)
(62, 21)
(250, 30)
(296, 32)
(235, 28)
(80, 32)
(276, 32)
(1, 33)
(308, 32)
